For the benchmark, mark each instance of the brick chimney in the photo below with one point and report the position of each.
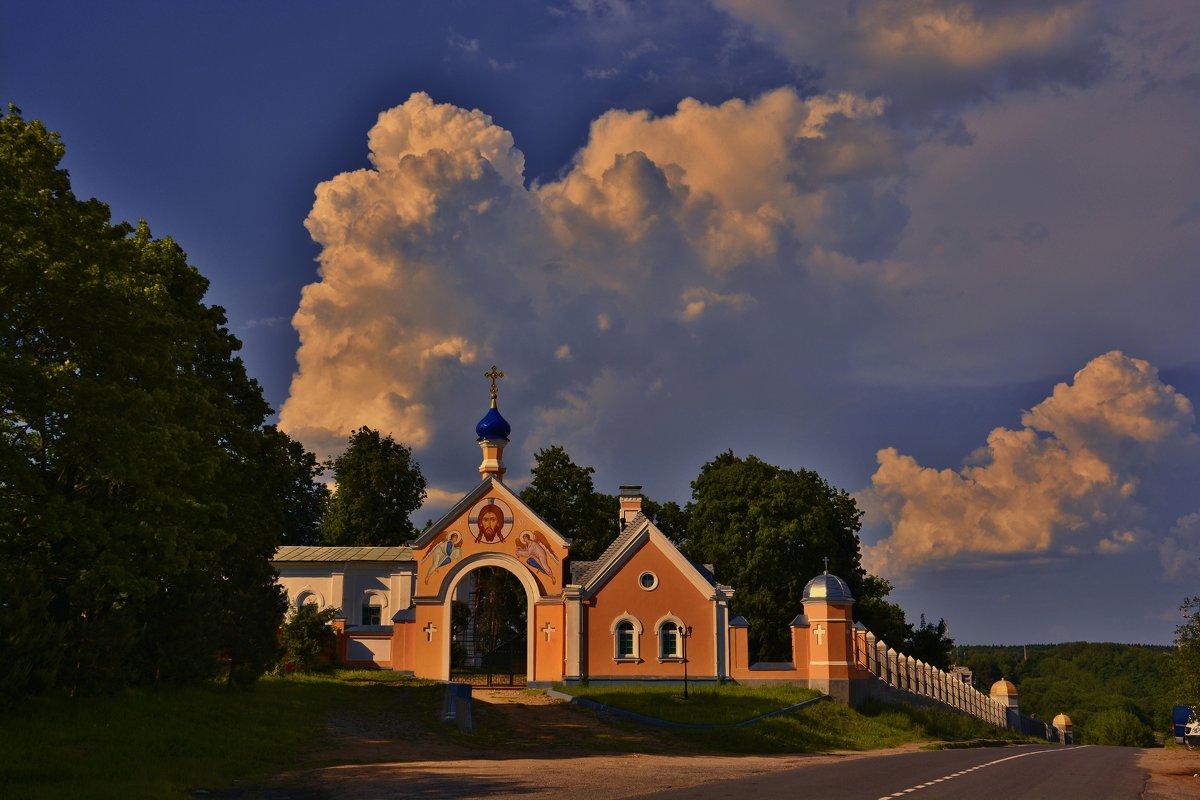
(630, 503)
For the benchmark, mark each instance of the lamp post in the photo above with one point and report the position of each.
(684, 633)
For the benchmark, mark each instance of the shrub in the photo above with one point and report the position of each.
(306, 634)
(1115, 727)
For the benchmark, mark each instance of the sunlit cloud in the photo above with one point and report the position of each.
(1064, 483)
(439, 253)
(931, 54)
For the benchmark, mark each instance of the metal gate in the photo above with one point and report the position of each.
(503, 665)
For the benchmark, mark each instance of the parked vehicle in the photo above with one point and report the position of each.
(1185, 726)
(1179, 720)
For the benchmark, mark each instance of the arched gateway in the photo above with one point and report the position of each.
(637, 612)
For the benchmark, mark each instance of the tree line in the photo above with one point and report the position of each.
(1114, 693)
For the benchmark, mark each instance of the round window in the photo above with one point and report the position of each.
(648, 580)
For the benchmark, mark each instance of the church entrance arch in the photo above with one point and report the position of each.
(492, 634)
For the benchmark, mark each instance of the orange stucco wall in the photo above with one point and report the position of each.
(459, 541)
(404, 643)
(829, 640)
(525, 547)
(548, 644)
(675, 595)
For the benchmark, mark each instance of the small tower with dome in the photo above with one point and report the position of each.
(492, 432)
(1062, 723)
(822, 638)
(1004, 692)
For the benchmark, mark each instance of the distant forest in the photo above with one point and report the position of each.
(1079, 679)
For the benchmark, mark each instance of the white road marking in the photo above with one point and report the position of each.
(977, 766)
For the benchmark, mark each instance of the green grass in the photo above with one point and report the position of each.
(156, 743)
(818, 728)
(161, 743)
(722, 705)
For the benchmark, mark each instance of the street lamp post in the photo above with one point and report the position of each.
(685, 633)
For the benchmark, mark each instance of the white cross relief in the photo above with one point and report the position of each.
(429, 630)
(820, 633)
(549, 629)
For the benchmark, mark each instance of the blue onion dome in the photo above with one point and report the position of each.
(493, 426)
(828, 587)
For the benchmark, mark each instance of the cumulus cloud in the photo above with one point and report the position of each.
(1064, 483)
(932, 54)
(439, 255)
(1180, 550)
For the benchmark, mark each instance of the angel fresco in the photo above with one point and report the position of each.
(534, 553)
(443, 553)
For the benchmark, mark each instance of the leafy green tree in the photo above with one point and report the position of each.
(460, 625)
(133, 526)
(931, 644)
(500, 610)
(305, 636)
(884, 619)
(1116, 727)
(1185, 663)
(305, 496)
(767, 530)
(562, 493)
(379, 486)
(668, 517)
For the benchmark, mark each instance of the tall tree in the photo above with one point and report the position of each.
(668, 517)
(884, 619)
(768, 530)
(305, 497)
(379, 486)
(132, 523)
(931, 643)
(1186, 660)
(562, 493)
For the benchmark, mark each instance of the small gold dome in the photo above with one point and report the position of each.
(1061, 721)
(1003, 687)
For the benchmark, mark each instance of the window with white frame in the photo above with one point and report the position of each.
(626, 632)
(372, 608)
(669, 644)
(625, 639)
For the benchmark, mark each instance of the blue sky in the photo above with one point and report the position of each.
(944, 253)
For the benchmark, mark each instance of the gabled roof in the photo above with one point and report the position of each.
(474, 496)
(637, 532)
(297, 553)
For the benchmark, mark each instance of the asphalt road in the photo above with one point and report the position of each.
(1061, 773)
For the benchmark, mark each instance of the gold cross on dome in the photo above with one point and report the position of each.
(495, 374)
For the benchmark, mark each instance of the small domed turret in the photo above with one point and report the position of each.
(493, 431)
(493, 426)
(827, 587)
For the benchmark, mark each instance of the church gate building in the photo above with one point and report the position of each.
(642, 611)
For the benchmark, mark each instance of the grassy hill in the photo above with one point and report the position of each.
(1080, 679)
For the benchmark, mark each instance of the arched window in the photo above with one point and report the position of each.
(627, 633)
(670, 639)
(373, 604)
(308, 596)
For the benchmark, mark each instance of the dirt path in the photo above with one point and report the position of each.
(1174, 773)
(535, 755)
